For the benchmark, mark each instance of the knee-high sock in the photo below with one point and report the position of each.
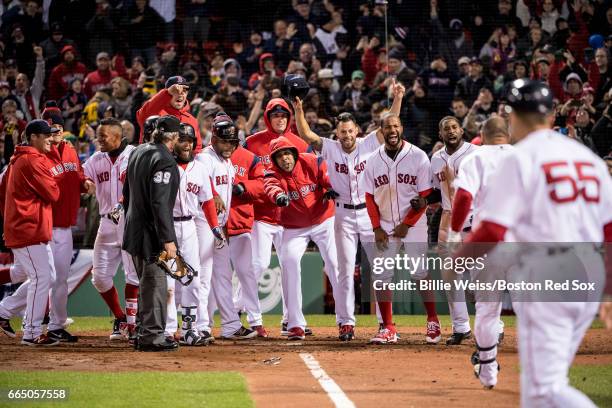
(131, 303)
(111, 297)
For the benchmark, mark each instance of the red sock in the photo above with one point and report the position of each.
(5, 276)
(112, 300)
(429, 301)
(131, 303)
(386, 308)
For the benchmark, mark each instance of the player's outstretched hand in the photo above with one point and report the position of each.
(282, 200)
(382, 239)
(238, 189)
(400, 230)
(418, 202)
(330, 195)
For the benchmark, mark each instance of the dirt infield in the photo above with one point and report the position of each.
(408, 374)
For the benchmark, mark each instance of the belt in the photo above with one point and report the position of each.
(185, 218)
(351, 206)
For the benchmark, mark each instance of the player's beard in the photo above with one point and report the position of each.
(393, 141)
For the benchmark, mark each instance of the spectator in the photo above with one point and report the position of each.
(601, 74)
(136, 68)
(128, 131)
(549, 16)
(397, 69)
(453, 42)
(353, 98)
(100, 79)
(283, 42)
(440, 84)
(302, 21)
(499, 49)
(308, 59)
(5, 94)
(469, 87)
(464, 66)
(482, 109)
(63, 74)
(459, 108)
(325, 37)
(267, 70)
(121, 100)
(326, 87)
(572, 87)
(53, 45)
(11, 127)
(28, 94)
(101, 31)
(143, 24)
(72, 105)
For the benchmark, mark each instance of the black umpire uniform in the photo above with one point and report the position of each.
(149, 193)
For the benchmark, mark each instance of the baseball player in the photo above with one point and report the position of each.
(445, 167)
(299, 182)
(471, 188)
(346, 158)
(395, 174)
(194, 190)
(216, 158)
(247, 188)
(107, 169)
(266, 229)
(31, 189)
(552, 189)
(66, 168)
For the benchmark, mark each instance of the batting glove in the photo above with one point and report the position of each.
(238, 189)
(282, 200)
(219, 237)
(115, 213)
(331, 195)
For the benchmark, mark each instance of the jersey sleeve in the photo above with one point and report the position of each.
(88, 168)
(368, 176)
(205, 193)
(468, 177)
(327, 147)
(424, 174)
(507, 195)
(606, 197)
(370, 142)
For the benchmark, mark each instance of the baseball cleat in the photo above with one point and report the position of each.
(117, 325)
(384, 336)
(486, 371)
(62, 335)
(241, 334)
(284, 329)
(168, 345)
(347, 332)
(434, 335)
(307, 331)
(40, 341)
(206, 337)
(5, 327)
(381, 326)
(191, 338)
(500, 338)
(261, 331)
(296, 333)
(456, 338)
(68, 322)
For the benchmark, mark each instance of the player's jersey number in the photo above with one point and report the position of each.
(570, 181)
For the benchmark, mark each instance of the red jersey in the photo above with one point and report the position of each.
(249, 172)
(305, 185)
(69, 176)
(159, 104)
(260, 143)
(98, 80)
(27, 192)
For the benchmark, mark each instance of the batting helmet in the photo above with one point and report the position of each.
(529, 96)
(149, 126)
(224, 128)
(186, 130)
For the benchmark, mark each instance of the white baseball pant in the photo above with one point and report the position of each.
(108, 255)
(62, 248)
(350, 227)
(247, 293)
(551, 332)
(188, 245)
(206, 242)
(263, 235)
(295, 243)
(38, 263)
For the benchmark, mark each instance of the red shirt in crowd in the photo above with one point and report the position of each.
(97, 80)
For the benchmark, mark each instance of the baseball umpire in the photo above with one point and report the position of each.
(149, 193)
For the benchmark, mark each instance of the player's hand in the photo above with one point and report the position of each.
(219, 204)
(116, 213)
(397, 89)
(400, 230)
(330, 195)
(297, 106)
(220, 239)
(238, 189)
(382, 239)
(282, 200)
(418, 203)
(90, 187)
(605, 313)
(176, 89)
(38, 51)
(170, 248)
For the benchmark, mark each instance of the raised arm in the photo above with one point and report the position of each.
(396, 107)
(304, 131)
